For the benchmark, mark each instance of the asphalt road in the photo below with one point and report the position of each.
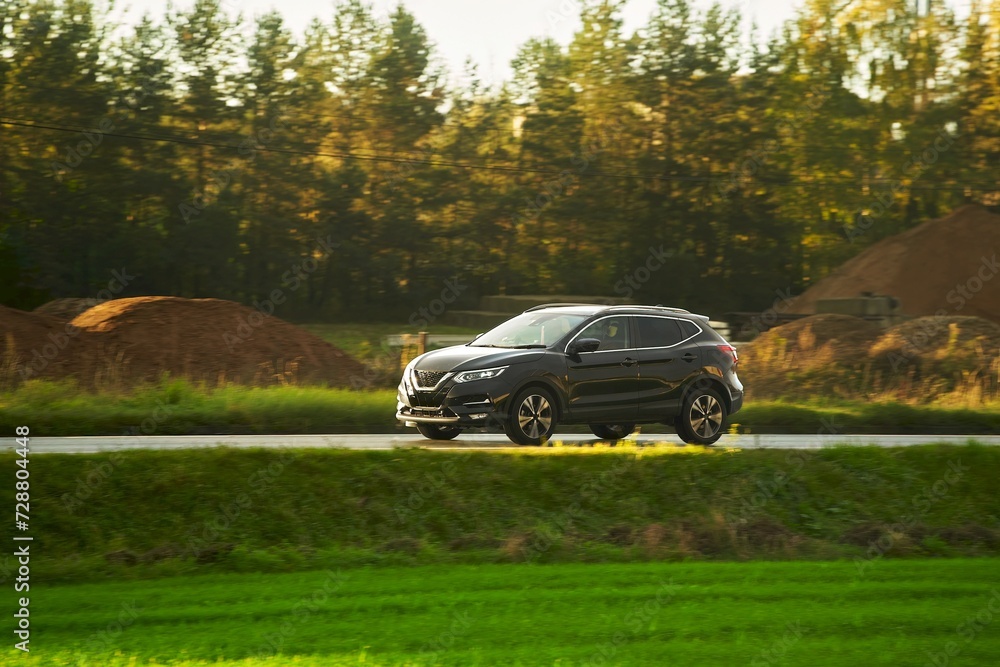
(91, 444)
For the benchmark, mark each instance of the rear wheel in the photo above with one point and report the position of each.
(439, 431)
(532, 418)
(612, 431)
(702, 417)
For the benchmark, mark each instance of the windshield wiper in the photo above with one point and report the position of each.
(513, 347)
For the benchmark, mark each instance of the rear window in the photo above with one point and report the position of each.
(658, 332)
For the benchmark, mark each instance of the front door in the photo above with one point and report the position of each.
(603, 385)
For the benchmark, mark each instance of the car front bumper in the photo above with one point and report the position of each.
(478, 409)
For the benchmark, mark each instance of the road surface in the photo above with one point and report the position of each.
(485, 441)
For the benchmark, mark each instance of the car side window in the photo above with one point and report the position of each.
(659, 332)
(688, 329)
(612, 332)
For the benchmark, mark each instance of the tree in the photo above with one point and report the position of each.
(203, 237)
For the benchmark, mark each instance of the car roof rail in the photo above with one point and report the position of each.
(669, 309)
(561, 305)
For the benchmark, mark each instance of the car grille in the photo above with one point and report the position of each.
(425, 400)
(429, 379)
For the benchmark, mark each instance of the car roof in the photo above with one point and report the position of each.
(596, 309)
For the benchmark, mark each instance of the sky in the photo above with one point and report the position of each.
(488, 31)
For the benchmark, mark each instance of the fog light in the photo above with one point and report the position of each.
(479, 415)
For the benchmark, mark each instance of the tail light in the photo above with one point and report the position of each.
(730, 351)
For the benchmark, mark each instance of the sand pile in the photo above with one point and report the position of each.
(946, 264)
(35, 345)
(24, 330)
(839, 355)
(939, 345)
(812, 341)
(810, 355)
(212, 340)
(125, 341)
(66, 309)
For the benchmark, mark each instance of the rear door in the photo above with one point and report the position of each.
(667, 356)
(602, 386)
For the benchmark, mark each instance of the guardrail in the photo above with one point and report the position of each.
(403, 340)
(413, 345)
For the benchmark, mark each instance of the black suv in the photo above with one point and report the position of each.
(611, 367)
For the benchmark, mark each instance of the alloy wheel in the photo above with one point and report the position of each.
(534, 416)
(706, 415)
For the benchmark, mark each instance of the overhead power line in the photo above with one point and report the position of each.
(501, 133)
(722, 178)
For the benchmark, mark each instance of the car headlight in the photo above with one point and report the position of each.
(485, 374)
(404, 382)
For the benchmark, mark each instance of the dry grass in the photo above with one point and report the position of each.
(953, 361)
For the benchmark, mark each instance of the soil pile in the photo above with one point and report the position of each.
(125, 341)
(20, 330)
(34, 345)
(839, 355)
(209, 340)
(808, 355)
(946, 264)
(812, 341)
(66, 309)
(939, 345)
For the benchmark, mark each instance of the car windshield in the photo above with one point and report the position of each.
(530, 330)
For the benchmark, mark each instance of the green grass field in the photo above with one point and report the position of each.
(138, 514)
(561, 556)
(821, 613)
(178, 407)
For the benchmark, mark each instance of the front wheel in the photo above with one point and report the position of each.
(612, 431)
(532, 417)
(702, 418)
(438, 432)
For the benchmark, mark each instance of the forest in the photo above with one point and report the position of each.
(203, 154)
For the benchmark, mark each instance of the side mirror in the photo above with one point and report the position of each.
(584, 345)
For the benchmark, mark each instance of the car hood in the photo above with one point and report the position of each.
(465, 357)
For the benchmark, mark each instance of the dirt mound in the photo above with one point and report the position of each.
(948, 265)
(811, 355)
(125, 341)
(24, 330)
(35, 345)
(66, 309)
(839, 355)
(942, 344)
(211, 340)
(812, 341)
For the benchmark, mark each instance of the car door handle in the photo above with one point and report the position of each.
(690, 356)
(629, 361)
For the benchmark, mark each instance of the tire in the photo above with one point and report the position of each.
(612, 431)
(532, 418)
(438, 431)
(702, 419)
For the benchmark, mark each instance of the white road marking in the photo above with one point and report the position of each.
(483, 441)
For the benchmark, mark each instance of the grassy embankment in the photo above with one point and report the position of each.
(177, 407)
(148, 513)
(899, 613)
